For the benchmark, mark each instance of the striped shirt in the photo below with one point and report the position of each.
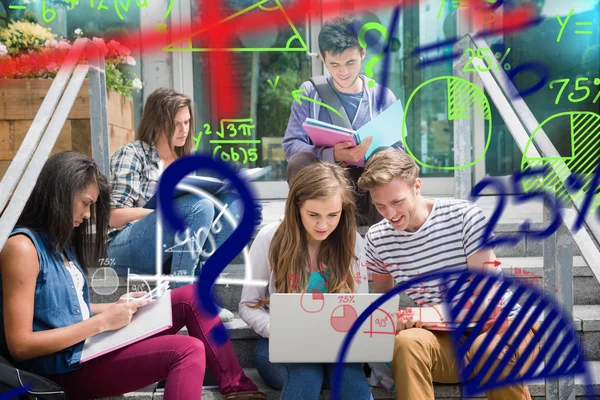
(452, 232)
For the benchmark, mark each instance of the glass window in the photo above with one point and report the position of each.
(429, 131)
(265, 80)
(102, 23)
(575, 59)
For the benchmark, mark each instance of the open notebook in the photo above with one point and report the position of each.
(436, 319)
(386, 129)
(147, 321)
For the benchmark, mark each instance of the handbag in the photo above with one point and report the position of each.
(41, 388)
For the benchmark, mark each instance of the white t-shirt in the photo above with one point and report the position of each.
(78, 283)
(258, 319)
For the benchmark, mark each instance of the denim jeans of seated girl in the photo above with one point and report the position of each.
(304, 381)
(134, 247)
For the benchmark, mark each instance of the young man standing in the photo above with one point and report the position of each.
(419, 236)
(342, 55)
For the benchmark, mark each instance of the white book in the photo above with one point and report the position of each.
(147, 321)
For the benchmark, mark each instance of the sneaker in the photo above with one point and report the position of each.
(226, 315)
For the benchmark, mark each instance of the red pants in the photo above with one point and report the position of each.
(181, 360)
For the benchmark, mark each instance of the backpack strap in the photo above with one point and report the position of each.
(330, 97)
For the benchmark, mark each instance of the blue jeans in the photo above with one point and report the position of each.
(303, 381)
(134, 247)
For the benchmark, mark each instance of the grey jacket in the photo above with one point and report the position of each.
(296, 140)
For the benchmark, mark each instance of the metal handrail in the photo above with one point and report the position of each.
(558, 254)
(22, 174)
(34, 134)
(521, 123)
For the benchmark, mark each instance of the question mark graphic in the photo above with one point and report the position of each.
(11, 394)
(230, 248)
(379, 56)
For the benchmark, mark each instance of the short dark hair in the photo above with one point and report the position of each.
(49, 209)
(337, 36)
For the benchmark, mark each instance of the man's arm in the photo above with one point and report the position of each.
(382, 283)
(296, 139)
(474, 222)
(476, 263)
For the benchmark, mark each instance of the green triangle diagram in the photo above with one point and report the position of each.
(230, 23)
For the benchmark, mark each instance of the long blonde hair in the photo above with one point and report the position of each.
(288, 252)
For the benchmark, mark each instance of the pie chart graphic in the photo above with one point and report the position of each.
(582, 158)
(464, 101)
(105, 281)
(343, 317)
(313, 302)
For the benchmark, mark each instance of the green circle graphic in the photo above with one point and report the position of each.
(474, 99)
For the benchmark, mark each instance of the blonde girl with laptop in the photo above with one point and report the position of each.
(315, 247)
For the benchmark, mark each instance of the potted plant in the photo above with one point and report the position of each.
(30, 56)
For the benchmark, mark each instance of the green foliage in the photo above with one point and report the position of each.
(117, 80)
(274, 104)
(25, 37)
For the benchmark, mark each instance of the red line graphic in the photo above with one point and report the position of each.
(223, 86)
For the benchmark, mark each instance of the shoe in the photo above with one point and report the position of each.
(245, 396)
(226, 315)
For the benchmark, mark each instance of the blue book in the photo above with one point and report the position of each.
(386, 129)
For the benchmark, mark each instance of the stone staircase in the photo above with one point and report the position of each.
(525, 258)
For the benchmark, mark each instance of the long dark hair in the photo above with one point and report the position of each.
(158, 117)
(49, 209)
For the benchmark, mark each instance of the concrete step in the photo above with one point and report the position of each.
(442, 392)
(520, 268)
(586, 322)
(587, 288)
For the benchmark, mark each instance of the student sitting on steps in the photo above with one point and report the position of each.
(316, 242)
(46, 314)
(164, 134)
(418, 236)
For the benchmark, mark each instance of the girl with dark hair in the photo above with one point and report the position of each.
(164, 134)
(46, 314)
(317, 243)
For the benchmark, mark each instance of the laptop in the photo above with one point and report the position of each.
(310, 327)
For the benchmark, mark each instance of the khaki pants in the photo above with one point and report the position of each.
(422, 357)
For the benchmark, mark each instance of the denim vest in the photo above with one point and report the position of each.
(55, 306)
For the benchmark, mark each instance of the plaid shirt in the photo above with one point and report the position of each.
(134, 175)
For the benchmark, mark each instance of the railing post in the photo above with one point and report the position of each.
(98, 108)
(463, 133)
(558, 282)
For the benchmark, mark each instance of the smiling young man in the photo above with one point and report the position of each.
(343, 56)
(419, 236)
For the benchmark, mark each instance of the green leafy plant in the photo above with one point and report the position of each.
(23, 41)
(23, 36)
